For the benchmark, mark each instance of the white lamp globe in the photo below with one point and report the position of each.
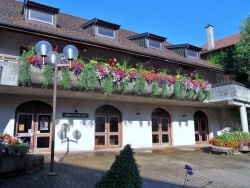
(52, 57)
(43, 48)
(70, 52)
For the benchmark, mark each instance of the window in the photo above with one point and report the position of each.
(192, 54)
(154, 44)
(40, 16)
(105, 32)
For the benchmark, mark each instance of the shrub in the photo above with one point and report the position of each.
(123, 173)
(12, 146)
(233, 139)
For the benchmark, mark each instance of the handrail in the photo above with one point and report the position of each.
(228, 83)
(6, 57)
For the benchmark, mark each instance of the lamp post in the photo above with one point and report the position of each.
(70, 52)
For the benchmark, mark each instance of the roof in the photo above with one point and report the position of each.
(69, 28)
(223, 43)
(147, 35)
(183, 46)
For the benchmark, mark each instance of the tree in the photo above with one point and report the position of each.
(242, 53)
(123, 173)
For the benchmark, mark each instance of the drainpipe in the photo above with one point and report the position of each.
(210, 37)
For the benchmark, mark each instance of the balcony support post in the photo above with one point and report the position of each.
(243, 118)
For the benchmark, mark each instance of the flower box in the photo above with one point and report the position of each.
(11, 165)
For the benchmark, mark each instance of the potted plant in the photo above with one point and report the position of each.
(12, 155)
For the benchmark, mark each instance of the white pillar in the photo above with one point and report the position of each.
(243, 118)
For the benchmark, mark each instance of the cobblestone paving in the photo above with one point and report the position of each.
(159, 169)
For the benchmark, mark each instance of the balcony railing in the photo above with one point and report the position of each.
(9, 70)
(229, 91)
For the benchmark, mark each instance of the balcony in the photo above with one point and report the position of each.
(221, 94)
(229, 91)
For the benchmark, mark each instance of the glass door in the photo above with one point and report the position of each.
(42, 130)
(107, 132)
(201, 132)
(24, 128)
(160, 131)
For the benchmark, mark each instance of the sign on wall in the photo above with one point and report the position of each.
(75, 115)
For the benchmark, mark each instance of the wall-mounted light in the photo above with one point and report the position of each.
(138, 113)
(184, 115)
(76, 110)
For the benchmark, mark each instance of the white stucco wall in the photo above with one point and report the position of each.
(135, 130)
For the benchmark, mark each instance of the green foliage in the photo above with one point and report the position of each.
(25, 74)
(179, 90)
(190, 93)
(124, 86)
(201, 95)
(123, 173)
(48, 75)
(155, 89)
(164, 90)
(88, 79)
(242, 51)
(139, 85)
(218, 58)
(31, 51)
(108, 87)
(66, 82)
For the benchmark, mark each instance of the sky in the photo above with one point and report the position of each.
(180, 21)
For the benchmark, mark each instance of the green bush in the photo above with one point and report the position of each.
(123, 173)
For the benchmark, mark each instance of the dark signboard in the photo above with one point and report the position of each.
(75, 115)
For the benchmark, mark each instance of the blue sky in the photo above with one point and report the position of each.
(180, 21)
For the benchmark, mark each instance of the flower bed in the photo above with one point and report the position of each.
(235, 140)
(12, 155)
(111, 75)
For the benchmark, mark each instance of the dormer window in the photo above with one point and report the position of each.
(105, 32)
(185, 50)
(192, 53)
(100, 28)
(148, 40)
(40, 16)
(154, 44)
(38, 13)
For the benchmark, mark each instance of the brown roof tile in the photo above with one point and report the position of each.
(69, 27)
(223, 43)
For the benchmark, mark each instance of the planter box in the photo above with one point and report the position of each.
(221, 150)
(11, 165)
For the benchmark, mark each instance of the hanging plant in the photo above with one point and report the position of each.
(201, 95)
(88, 79)
(66, 82)
(48, 75)
(108, 86)
(179, 90)
(139, 85)
(155, 89)
(190, 93)
(164, 93)
(124, 86)
(25, 74)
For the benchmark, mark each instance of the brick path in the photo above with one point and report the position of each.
(159, 168)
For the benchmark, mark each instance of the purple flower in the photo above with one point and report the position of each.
(188, 168)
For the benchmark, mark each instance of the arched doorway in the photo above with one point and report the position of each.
(33, 125)
(200, 127)
(161, 131)
(107, 127)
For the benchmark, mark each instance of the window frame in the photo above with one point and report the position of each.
(105, 36)
(39, 20)
(189, 50)
(153, 47)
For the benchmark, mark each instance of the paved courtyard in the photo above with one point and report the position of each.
(160, 168)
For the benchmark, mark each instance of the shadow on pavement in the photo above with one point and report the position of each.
(68, 176)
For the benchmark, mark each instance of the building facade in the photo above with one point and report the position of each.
(90, 120)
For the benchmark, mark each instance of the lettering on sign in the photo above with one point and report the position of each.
(75, 115)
